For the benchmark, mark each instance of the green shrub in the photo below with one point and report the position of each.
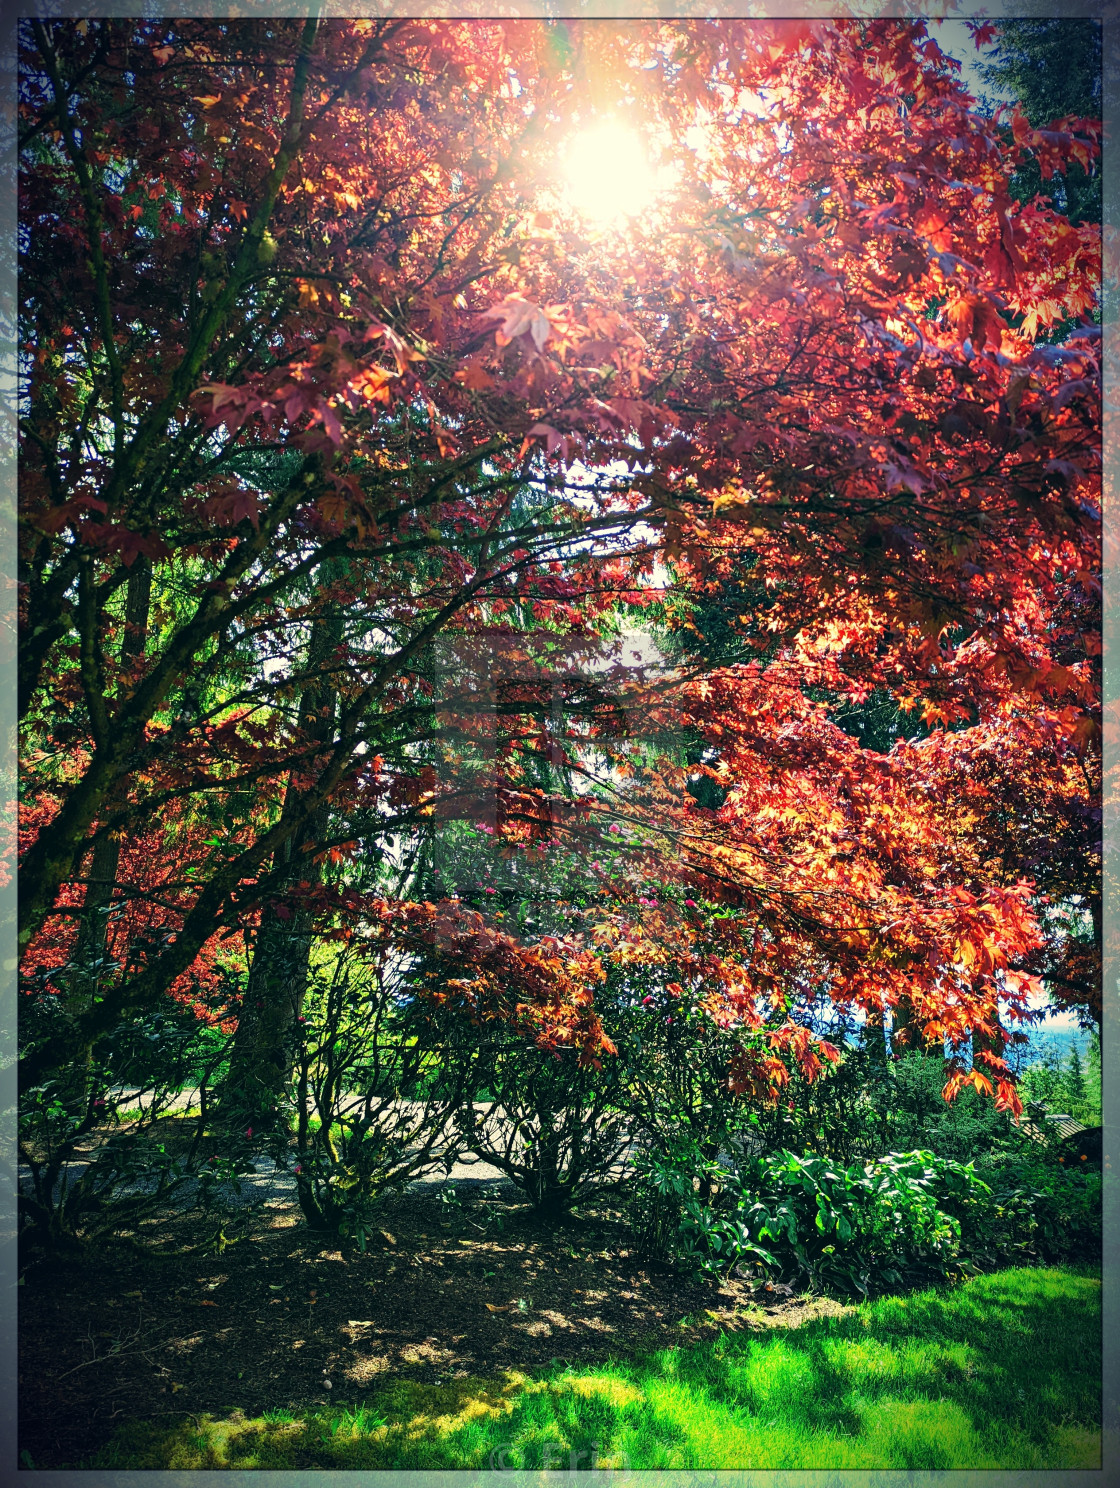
(918, 1116)
(865, 1106)
(664, 1181)
(903, 1218)
(1035, 1210)
(817, 1224)
(841, 1115)
(96, 1144)
(550, 1124)
(377, 1086)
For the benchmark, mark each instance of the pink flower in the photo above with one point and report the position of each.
(248, 1131)
(690, 903)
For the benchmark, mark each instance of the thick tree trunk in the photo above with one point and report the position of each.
(875, 1038)
(91, 950)
(1095, 998)
(266, 1039)
(907, 1036)
(265, 1043)
(549, 1194)
(105, 860)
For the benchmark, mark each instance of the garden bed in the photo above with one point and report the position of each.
(246, 1309)
(444, 1345)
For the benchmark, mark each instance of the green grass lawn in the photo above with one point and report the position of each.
(1001, 1372)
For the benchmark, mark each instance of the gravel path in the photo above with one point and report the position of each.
(270, 1183)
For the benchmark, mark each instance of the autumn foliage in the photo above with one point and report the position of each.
(316, 344)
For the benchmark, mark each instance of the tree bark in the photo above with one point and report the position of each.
(91, 950)
(105, 860)
(875, 1038)
(907, 1036)
(266, 1040)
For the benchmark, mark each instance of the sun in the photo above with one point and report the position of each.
(608, 175)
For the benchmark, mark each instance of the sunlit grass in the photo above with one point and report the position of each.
(1003, 1372)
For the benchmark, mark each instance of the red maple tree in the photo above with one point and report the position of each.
(324, 373)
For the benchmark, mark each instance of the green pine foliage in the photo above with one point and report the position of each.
(1068, 1085)
(1053, 68)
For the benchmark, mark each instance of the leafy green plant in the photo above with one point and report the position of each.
(664, 1181)
(852, 1229)
(1035, 1210)
(859, 1229)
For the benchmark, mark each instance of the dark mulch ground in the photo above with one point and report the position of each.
(257, 1316)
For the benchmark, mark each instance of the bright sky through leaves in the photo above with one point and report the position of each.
(608, 175)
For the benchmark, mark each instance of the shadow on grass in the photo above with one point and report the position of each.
(1002, 1372)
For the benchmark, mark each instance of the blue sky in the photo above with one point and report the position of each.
(953, 37)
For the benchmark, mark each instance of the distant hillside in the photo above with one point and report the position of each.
(1050, 1041)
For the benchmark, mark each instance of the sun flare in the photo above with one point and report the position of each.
(608, 175)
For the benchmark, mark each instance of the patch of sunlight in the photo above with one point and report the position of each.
(691, 1430)
(442, 1410)
(618, 1392)
(923, 1435)
(774, 1378)
(867, 1361)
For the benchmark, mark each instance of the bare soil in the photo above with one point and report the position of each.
(251, 1311)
